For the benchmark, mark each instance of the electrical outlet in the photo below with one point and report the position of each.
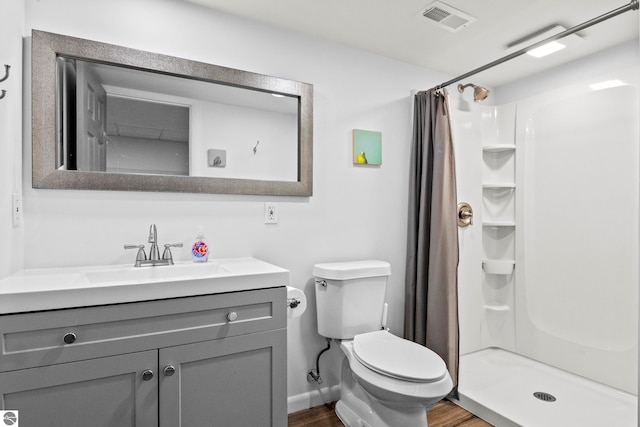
(270, 213)
(16, 209)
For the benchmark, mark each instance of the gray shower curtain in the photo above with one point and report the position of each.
(431, 295)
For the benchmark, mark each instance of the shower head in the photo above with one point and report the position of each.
(479, 93)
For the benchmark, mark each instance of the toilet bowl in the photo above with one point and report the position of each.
(381, 389)
(386, 381)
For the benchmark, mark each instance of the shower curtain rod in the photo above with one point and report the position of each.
(631, 6)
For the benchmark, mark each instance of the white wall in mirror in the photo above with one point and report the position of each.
(259, 144)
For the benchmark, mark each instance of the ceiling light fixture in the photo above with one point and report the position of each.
(546, 49)
(541, 35)
(607, 84)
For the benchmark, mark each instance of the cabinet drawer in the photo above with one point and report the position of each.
(49, 337)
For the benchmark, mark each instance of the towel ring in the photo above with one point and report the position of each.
(3, 93)
(6, 72)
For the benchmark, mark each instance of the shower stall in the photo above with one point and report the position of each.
(548, 274)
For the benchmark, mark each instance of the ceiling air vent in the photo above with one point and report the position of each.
(447, 17)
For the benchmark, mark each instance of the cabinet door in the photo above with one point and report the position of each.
(103, 392)
(231, 382)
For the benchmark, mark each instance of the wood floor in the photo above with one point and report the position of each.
(443, 414)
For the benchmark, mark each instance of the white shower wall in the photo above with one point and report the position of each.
(577, 216)
(572, 301)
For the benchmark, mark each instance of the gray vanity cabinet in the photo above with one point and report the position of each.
(104, 392)
(211, 360)
(224, 384)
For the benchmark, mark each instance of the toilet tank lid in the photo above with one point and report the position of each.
(351, 269)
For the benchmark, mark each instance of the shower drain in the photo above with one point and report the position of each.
(544, 396)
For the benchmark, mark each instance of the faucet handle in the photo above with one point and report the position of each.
(166, 255)
(140, 256)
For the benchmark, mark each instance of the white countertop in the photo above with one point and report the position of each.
(56, 288)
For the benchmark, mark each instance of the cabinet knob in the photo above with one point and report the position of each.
(169, 370)
(232, 316)
(69, 338)
(147, 375)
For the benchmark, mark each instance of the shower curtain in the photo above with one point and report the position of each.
(431, 295)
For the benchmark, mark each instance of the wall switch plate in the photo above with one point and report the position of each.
(270, 213)
(16, 207)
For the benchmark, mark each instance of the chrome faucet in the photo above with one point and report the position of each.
(154, 255)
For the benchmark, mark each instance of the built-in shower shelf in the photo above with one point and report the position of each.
(499, 186)
(498, 308)
(498, 266)
(498, 148)
(499, 224)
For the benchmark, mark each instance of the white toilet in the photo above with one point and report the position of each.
(386, 380)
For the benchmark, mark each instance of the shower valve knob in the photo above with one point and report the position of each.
(465, 214)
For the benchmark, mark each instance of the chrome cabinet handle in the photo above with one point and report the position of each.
(147, 375)
(169, 370)
(232, 316)
(69, 338)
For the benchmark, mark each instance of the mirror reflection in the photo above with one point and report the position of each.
(122, 120)
(107, 117)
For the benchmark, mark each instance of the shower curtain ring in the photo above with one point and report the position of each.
(6, 72)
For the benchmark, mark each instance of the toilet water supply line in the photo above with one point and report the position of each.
(314, 374)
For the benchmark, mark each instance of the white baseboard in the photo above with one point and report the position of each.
(313, 398)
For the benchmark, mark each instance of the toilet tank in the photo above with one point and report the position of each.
(350, 297)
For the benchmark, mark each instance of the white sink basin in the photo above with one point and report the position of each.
(55, 288)
(181, 271)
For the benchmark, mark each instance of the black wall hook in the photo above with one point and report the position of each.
(3, 93)
(6, 72)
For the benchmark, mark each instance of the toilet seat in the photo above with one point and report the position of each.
(395, 357)
(386, 388)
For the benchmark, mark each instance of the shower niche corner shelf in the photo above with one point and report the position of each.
(499, 186)
(498, 148)
(498, 225)
(497, 308)
(498, 266)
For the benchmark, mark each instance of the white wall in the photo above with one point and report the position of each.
(355, 212)
(11, 241)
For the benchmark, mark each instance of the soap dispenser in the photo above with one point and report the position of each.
(200, 248)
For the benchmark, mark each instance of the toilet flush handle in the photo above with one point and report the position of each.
(385, 313)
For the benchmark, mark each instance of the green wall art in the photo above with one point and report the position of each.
(367, 147)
